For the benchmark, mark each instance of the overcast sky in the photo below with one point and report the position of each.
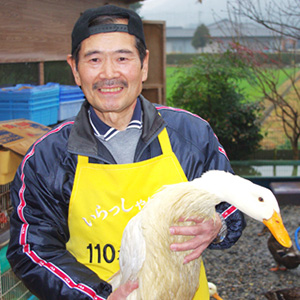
(190, 13)
(187, 13)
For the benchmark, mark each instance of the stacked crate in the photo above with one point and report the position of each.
(36, 103)
(10, 286)
(16, 136)
(70, 101)
(9, 162)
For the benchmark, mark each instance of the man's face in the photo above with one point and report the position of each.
(109, 72)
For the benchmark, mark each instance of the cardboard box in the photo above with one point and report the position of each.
(16, 136)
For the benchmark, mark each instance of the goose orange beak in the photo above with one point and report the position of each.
(216, 296)
(278, 230)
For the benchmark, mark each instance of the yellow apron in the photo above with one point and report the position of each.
(105, 197)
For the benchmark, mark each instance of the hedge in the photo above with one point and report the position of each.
(286, 58)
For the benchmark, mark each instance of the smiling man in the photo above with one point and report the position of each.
(110, 73)
(80, 184)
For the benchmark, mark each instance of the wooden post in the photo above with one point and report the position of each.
(41, 73)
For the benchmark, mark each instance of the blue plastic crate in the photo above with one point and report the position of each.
(30, 93)
(70, 93)
(69, 89)
(18, 105)
(46, 115)
(68, 109)
(5, 104)
(5, 114)
(36, 103)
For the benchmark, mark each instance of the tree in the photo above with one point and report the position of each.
(201, 37)
(281, 18)
(136, 6)
(209, 88)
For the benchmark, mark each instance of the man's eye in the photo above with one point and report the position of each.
(122, 58)
(95, 59)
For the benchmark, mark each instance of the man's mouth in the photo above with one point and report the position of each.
(110, 90)
(110, 86)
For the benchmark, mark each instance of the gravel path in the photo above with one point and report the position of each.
(242, 272)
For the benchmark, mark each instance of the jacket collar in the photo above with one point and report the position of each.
(83, 141)
(105, 132)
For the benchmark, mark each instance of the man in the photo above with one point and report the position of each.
(79, 185)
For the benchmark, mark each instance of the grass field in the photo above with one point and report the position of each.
(275, 137)
(252, 91)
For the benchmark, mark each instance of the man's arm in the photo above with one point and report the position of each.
(39, 233)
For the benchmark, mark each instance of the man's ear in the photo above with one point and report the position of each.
(145, 66)
(72, 63)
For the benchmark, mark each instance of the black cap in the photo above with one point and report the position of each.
(82, 31)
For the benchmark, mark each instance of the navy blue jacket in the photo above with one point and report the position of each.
(43, 184)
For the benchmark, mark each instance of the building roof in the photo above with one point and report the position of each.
(223, 28)
(175, 32)
(226, 28)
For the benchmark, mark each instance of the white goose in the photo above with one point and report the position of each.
(145, 249)
(213, 291)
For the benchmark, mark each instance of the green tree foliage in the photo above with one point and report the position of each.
(201, 37)
(136, 6)
(209, 89)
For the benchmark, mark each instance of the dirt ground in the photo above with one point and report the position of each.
(242, 272)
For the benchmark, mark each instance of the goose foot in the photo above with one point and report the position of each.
(278, 268)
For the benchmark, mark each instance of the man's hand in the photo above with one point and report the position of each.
(123, 291)
(204, 233)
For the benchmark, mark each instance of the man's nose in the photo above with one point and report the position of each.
(109, 70)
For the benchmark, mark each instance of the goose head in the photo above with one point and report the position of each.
(254, 200)
(213, 291)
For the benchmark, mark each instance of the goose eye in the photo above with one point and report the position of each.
(261, 199)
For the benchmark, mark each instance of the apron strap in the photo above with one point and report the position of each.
(82, 159)
(165, 143)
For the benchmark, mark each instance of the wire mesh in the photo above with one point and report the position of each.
(12, 288)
